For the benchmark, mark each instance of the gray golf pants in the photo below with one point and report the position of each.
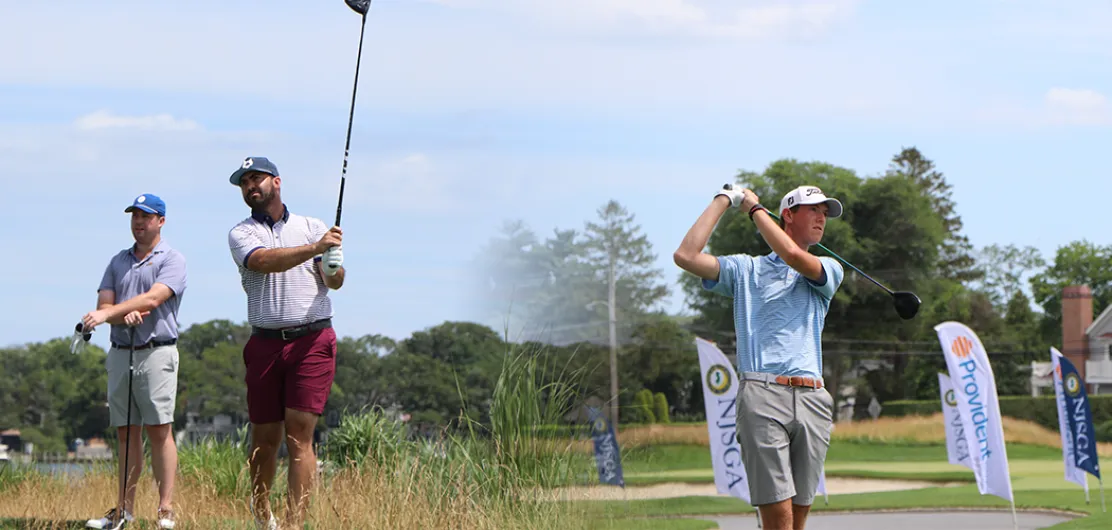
(784, 433)
(154, 387)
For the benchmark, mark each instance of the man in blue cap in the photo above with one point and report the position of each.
(287, 264)
(141, 292)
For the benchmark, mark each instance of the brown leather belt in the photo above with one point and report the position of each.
(794, 380)
(798, 380)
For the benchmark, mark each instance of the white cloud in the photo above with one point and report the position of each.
(1067, 106)
(699, 18)
(1059, 107)
(104, 119)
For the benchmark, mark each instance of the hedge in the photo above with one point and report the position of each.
(1042, 410)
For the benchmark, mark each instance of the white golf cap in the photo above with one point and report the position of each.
(810, 195)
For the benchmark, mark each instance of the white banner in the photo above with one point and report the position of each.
(821, 490)
(720, 398)
(957, 446)
(975, 390)
(1073, 473)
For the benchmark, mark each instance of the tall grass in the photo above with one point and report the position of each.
(374, 474)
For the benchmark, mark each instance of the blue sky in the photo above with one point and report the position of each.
(474, 111)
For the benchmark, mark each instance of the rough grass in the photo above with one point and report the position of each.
(478, 476)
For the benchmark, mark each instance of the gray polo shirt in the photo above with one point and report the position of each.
(128, 277)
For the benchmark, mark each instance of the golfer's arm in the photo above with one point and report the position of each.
(280, 259)
(806, 263)
(143, 303)
(106, 298)
(690, 256)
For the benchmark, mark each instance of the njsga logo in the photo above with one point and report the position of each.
(600, 425)
(950, 399)
(1073, 385)
(718, 379)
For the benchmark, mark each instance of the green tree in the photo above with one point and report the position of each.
(1003, 269)
(446, 371)
(1077, 263)
(361, 378)
(662, 358)
(623, 259)
(213, 383)
(956, 261)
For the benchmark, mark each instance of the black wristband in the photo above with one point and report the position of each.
(754, 210)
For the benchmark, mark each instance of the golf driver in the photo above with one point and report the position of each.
(127, 441)
(905, 302)
(361, 7)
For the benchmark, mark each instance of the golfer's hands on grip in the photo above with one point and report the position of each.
(92, 319)
(135, 318)
(739, 197)
(330, 247)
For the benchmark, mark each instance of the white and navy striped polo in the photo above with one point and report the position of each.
(280, 299)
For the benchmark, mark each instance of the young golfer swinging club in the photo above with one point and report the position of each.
(780, 300)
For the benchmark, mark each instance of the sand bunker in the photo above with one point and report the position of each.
(834, 486)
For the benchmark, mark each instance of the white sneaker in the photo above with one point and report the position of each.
(165, 519)
(272, 524)
(111, 520)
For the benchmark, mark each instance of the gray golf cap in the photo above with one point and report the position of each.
(253, 163)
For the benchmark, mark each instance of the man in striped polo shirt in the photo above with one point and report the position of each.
(287, 264)
(780, 300)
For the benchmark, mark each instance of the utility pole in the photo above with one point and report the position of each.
(611, 303)
(612, 307)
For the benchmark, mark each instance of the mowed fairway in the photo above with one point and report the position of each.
(859, 468)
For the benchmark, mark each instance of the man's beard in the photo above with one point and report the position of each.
(259, 203)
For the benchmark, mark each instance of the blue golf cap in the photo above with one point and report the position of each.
(149, 203)
(253, 163)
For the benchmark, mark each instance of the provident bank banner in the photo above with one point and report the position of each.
(720, 383)
(975, 391)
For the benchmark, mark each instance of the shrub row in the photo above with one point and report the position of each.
(1042, 410)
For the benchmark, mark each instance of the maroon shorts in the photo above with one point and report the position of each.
(294, 374)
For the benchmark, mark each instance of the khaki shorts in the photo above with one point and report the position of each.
(784, 433)
(154, 386)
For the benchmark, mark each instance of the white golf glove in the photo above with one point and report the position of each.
(332, 259)
(78, 342)
(736, 196)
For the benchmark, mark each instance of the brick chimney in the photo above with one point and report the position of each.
(1077, 315)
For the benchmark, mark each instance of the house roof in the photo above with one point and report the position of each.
(10, 432)
(1103, 323)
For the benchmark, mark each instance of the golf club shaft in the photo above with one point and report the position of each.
(127, 440)
(351, 119)
(841, 259)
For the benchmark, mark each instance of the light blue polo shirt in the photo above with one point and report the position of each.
(128, 277)
(778, 313)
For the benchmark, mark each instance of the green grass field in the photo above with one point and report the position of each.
(1037, 479)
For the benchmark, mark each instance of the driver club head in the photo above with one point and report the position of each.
(906, 303)
(359, 6)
